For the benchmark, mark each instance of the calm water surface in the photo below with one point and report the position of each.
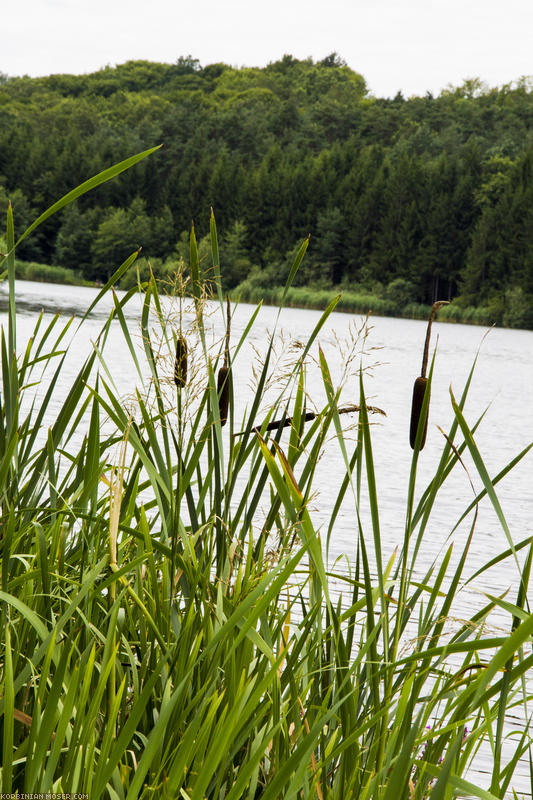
(502, 386)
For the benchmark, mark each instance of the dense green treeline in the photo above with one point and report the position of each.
(413, 197)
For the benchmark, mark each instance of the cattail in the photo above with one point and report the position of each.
(275, 424)
(416, 409)
(223, 389)
(419, 388)
(180, 364)
(224, 374)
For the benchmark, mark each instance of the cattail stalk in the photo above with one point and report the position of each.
(180, 363)
(224, 373)
(419, 388)
(308, 416)
(223, 389)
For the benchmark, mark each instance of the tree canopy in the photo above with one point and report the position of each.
(434, 191)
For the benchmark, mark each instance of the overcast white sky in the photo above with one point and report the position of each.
(413, 46)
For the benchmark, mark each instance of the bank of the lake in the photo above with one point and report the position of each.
(353, 302)
(49, 273)
(350, 302)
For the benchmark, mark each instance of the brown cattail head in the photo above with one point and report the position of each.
(223, 389)
(180, 364)
(419, 390)
(421, 382)
(224, 374)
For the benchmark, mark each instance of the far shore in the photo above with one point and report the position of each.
(350, 302)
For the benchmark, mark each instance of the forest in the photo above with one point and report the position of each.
(404, 199)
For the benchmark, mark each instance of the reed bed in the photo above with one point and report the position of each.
(149, 644)
(358, 302)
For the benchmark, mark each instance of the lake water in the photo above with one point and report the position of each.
(503, 383)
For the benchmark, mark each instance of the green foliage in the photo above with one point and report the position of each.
(501, 255)
(234, 252)
(30, 271)
(75, 238)
(429, 190)
(400, 292)
(167, 623)
(518, 309)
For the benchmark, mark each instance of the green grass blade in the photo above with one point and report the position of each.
(10, 242)
(295, 266)
(483, 474)
(85, 187)
(8, 715)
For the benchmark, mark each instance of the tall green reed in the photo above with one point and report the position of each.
(169, 624)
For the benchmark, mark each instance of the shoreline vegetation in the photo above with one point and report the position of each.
(349, 302)
(169, 618)
(47, 273)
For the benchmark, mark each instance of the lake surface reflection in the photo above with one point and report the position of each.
(502, 386)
